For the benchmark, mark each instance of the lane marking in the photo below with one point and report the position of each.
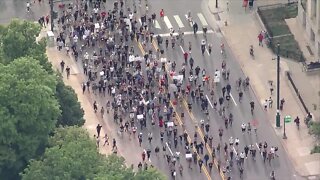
(233, 99)
(198, 129)
(167, 21)
(234, 150)
(182, 49)
(146, 154)
(260, 152)
(157, 25)
(202, 19)
(140, 21)
(178, 20)
(209, 101)
(185, 33)
(190, 23)
(169, 148)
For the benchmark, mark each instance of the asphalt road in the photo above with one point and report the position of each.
(241, 111)
(10, 9)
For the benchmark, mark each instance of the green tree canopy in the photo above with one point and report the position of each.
(71, 111)
(73, 155)
(28, 112)
(18, 39)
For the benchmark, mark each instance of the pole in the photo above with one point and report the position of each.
(51, 12)
(278, 88)
(216, 3)
(284, 129)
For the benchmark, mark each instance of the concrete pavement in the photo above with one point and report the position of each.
(241, 32)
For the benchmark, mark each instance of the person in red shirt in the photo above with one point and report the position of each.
(47, 19)
(260, 38)
(162, 13)
(185, 55)
(103, 14)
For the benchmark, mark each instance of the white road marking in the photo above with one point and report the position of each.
(185, 33)
(190, 23)
(182, 49)
(207, 51)
(146, 154)
(258, 149)
(167, 21)
(257, 146)
(234, 150)
(169, 149)
(233, 99)
(202, 19)
(179, 22)
(209, 101)
(140, 21)
(157, 25)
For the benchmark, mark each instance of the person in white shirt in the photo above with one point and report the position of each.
(272, 151)
(243, 127)
(75, 39)
(28, 7)
(231, 141)
(237, 141)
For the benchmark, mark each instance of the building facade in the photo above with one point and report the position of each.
(309, 18)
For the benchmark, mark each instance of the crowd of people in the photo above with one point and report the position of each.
(147, 94)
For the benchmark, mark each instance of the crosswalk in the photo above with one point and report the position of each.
(178, 21)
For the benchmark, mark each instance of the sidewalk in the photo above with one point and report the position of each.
(92, 120)
(241, 31)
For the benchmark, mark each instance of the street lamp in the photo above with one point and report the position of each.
(278, 87)
(51, 14)
(216, 3)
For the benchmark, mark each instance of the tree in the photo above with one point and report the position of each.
(72, 113)
(149, 174)
(28, 113)
(73, 155)
(18, 39)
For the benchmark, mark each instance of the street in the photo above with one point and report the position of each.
(241, 111)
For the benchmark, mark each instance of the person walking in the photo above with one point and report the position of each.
(68, 72)
(260, 39)
(62, 63)
(161, 13)
(98, 128)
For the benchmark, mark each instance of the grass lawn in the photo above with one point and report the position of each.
(274, 21)
(275, 18)
(288, 47)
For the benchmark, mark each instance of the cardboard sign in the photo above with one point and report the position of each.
(170, 124)
(188, 156)
(217, 75)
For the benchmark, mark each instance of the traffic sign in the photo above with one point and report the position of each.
(287, 119)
